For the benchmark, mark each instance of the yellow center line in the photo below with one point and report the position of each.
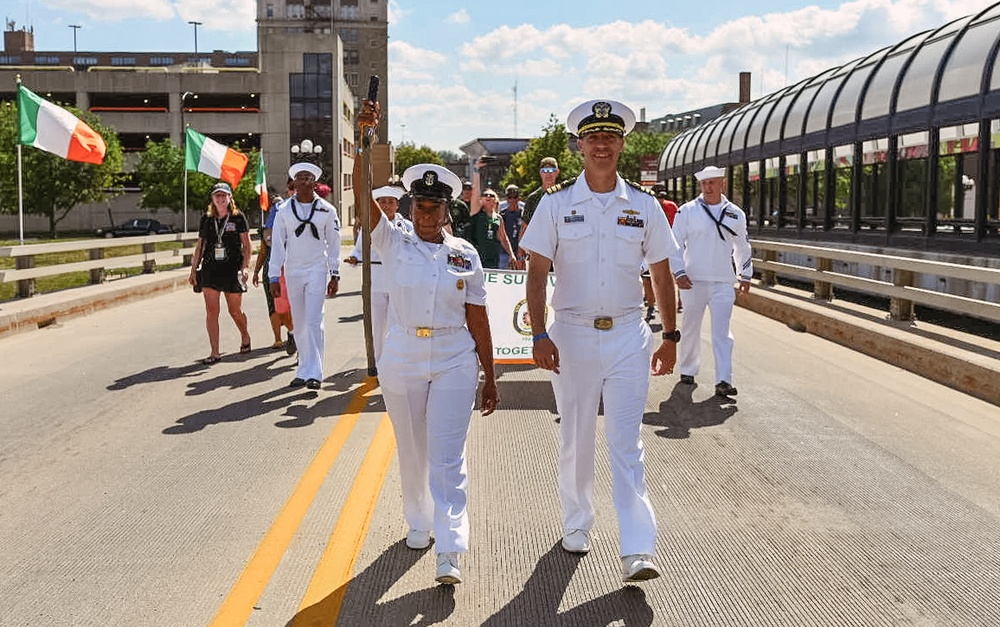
(321, 604)
(238, 606)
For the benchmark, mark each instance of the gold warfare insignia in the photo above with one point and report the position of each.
(601, 109)
(631, 212)
(460, 284)
(430, 178)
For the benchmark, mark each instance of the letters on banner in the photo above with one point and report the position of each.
(508, 312)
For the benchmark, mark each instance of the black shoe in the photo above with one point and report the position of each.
(722, 388)
(650, 312)
(687, 379)
(290, 344)
(313, 384)
(297, 382)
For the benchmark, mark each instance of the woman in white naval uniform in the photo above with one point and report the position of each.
(306, 240)
(387, 198)
(428, 371)
(713, 235)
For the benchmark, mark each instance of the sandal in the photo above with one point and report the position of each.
(245, 348)
(211, 359)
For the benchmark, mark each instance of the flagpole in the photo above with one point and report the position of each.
(20, 183)
(366, 229)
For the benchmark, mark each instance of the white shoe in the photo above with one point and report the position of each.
(576, 541)
(447, 569)
(417, 539)
(639, 567)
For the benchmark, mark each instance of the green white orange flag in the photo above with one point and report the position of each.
(212, 158)
(261, 184)
(53, 129)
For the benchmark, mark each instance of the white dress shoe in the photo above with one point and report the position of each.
(639, 567)
(447, 569)
(417, 539)
(576, 541)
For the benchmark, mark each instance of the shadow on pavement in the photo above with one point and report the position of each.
(521, 395)
(258, 373)
(357, 602)
(346, 386)
(234, 412)
(538, 603)
(679, 414)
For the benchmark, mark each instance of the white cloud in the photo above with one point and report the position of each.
(115, 10)
(459, 17)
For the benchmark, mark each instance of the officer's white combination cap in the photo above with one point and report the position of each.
(388, 191)
(430, 180)
(304, 166)
(710, 172)
(596, 116)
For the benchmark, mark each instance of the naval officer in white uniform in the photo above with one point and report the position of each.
(387, 198)
(712, 231)
(595, 231)
(438, 339)
(306, 240)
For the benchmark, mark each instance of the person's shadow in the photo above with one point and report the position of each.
(538, 604)
(679, 414)
(357, 601)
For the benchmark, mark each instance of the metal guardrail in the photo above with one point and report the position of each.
(26, 271)
(901, 291)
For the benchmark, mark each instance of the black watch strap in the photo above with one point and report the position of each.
(673, 336)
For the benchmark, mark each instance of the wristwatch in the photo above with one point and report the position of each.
(673, 336)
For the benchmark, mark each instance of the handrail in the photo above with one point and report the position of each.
(901, 289)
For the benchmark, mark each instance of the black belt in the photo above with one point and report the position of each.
(375, 263)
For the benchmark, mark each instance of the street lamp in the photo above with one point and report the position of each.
(307, 149)
(75, 28)
(196, 25)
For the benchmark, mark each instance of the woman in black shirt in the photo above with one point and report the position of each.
(220, 264)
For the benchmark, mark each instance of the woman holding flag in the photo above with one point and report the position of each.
(220, 264)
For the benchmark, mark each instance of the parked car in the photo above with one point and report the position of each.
(138, 226)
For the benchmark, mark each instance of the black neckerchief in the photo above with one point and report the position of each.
(718, 221)
(302, 227)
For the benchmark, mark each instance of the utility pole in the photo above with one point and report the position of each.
(75, 28)
(196, 25)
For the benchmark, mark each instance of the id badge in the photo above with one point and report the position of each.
(220, 252)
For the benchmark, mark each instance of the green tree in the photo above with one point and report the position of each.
(408, 154)
(638, 145)
(553, 142)
(161, 178)
(447, 156)
(53, 186)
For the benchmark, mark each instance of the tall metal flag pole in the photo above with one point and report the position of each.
(366, 228)
(20, 184)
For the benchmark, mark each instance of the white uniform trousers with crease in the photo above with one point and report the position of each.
(429, 386)
(718, 297)
(306, 298)
(380, 320)
(615, 364)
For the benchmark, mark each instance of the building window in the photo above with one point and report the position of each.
(237, 61)
(352, 57)
(296, 12)
(122, 60)
(10, 59)
(348, 35)
(348, 3)
(46, 60)
(84, 60)
(161, 60)
(270, 10)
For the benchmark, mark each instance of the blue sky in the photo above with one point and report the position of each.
(453, 65)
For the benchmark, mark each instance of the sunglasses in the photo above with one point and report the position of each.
(548, 170)
(489, 198)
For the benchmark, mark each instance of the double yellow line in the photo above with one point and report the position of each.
(322, 600)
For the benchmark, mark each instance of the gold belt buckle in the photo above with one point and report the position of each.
(425, 332)
(604, 323)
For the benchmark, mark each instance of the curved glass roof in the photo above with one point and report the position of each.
(951, 73)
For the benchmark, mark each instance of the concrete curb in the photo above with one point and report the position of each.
(41, 311)
(940, 359)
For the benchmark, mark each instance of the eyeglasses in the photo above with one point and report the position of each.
(548, 170)
(488, 198)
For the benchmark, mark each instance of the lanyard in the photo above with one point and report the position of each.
(218, 233)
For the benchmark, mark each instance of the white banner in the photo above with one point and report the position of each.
(507, 307)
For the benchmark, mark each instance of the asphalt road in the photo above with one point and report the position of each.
(141, 488)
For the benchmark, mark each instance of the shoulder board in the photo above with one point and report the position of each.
(639, 187)
(561, 185)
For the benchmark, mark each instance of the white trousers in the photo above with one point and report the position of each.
(719, 298)
(307, 298)
(615, 364)
(429, 386)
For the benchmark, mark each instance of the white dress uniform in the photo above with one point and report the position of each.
(715, 242)
(596, 243)
(306, 240)
(380, 288)
(429, 373)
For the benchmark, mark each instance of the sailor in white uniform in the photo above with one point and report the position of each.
(306, 240)
(387, 198)
(712, 231)
(438, 331)
(595, 231)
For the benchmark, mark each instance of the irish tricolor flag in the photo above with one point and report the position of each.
(214, 159)
(261, 184)
(54, 129)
